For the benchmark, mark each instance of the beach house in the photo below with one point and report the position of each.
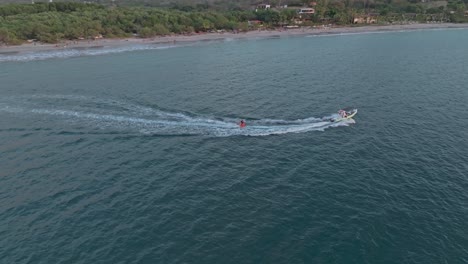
(370, 18)
(263, 6)
(308, 10)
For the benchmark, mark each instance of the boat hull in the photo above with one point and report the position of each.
(351, 115)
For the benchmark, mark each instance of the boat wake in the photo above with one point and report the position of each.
(150, 120)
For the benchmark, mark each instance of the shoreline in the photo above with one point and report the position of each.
(176, 39)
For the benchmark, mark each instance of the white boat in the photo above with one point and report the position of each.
(345, 115)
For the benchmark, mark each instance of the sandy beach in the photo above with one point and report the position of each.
(319, 30)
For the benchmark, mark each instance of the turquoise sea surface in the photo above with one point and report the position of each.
(133, 155)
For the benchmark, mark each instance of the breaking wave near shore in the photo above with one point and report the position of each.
(63, 53)
(107, 114)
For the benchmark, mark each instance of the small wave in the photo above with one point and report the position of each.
(378, 31)
(77, 52)
(153, 121)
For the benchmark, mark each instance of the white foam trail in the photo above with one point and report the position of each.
(152, 121)
(195, 126)
(75, 52)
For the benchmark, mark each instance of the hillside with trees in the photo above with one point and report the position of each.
(70, 20)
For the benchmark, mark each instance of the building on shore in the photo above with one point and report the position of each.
(370, 18)
(308, 10)
(263, 6)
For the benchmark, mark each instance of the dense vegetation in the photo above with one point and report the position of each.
(56, 21)
(52, 22)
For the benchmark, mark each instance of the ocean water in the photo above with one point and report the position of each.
(134, 156)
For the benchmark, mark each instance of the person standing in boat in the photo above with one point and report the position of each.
(342, 113)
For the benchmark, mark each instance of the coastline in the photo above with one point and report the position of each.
(175, 39)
